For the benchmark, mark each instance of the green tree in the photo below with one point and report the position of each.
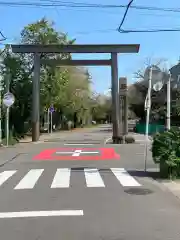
(67, 88)
(101, 108)
(14, 72)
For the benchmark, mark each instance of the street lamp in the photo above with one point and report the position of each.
(168, 114)
(153, 75)
(1, 89)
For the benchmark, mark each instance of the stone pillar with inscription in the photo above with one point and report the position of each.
(123, 111)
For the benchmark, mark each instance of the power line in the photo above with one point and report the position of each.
(96, 31)
(150, 30)
(83, 5)
(60, 4)
(48, 3)
(175, 10)
(125, 14)
(3, 37)
(144, 31)
(53, 2)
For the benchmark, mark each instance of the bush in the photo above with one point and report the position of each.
(166, 152)
(129, 139)
(12, 140)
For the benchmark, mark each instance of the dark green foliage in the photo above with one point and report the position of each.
(129, 139)
(12, 140)
(166, 152)
(67, 88)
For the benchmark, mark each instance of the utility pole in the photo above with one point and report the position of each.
(1, 88)
(148, 108)
(168, 116)
(7, 83)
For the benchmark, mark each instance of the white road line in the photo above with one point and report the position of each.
(93, 178)
(5, 175)
(78, 144)
(61, 178)
(89, 152)
(30, 179)
(41, 214)
(124, 178)
(107, 140)
(76, 153)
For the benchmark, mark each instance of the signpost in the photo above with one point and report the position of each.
(1, 88)
(8, 101)
(48, 119)
(51, 110)
(154, 77)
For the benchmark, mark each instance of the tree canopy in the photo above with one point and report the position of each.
(137, 94)
(68, 89)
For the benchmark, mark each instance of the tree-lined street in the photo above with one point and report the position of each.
(67, 89)
(85, 156)
(77, 199)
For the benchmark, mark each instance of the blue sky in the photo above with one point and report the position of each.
(85, 24)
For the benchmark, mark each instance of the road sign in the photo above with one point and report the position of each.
(77, 154)
(158, 86)
(122, 86)
(157, 75)
(8, 99)
(51, 109)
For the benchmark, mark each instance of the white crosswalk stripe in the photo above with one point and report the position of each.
(30, 179)
(4, 176)
(93, 178)
(62, 178)
(124, 177)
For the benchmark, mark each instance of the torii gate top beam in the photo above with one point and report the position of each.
(113, 49)
(76, 48)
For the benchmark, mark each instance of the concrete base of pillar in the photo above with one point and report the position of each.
(118, 140)
(35, 132)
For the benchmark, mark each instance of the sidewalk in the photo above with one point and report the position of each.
(140, 138)
(11, 152)
(172, 186)
(7, 154)
(47, 136)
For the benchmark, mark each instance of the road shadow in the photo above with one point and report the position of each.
(105, 130)
(141, 173)
(134, 173)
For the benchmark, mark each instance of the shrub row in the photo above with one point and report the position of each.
(166, 153)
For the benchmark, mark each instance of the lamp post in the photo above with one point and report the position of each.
(168, 113)
(1, 88)
(154, 76)
(147, 108)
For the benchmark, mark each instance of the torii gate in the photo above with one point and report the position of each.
(113, 49)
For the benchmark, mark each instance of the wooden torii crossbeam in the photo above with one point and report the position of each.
(113, 49)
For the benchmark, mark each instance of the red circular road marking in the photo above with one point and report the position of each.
(77, 154)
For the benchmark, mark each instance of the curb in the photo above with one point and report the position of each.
(11, 159)
(175, 190)
(107, 140)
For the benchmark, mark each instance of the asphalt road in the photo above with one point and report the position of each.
(89, 192)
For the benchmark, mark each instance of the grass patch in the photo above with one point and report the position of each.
(12, 141)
